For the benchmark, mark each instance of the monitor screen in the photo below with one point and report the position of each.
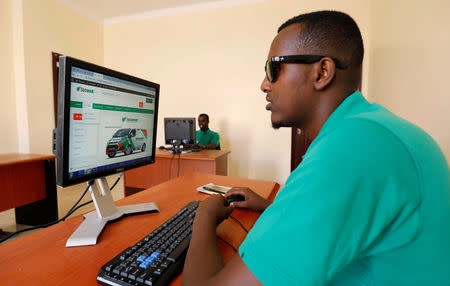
(180, 130)
(106, 122)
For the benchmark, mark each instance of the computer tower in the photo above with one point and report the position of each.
(42, 211)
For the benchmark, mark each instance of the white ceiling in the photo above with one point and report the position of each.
(115, 11)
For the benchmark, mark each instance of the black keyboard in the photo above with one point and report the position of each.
(157, 258)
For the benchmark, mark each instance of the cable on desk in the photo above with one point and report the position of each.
(86, 203)
(229, 244)
(170, 166)
(179, 161)
(50, 223)
(71, 211)
(243, 227)
(115, 183)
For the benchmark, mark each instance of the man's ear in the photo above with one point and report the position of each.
(325, 72)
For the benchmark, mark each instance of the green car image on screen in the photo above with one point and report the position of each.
(126, 140)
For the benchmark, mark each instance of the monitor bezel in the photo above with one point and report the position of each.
(62, 131)
(180, 118)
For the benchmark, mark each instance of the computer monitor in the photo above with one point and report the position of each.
(106, 124)
(180, 131)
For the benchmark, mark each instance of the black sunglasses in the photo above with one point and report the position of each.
(273, 64)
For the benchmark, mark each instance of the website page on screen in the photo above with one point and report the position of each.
(111, 122)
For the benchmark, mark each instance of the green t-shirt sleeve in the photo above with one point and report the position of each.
(215, 138)
(351, 197)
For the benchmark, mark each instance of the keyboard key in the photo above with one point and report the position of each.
(118, 269)
(110, 266)
(144, 264)
(158, 271)
(125, 271)
(166, 263)
(142, 276)
(134, 273)
(154, 264)
(141, 258)
(150, 280)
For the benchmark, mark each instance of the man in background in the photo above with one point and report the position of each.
(370, 202)
(206, 138)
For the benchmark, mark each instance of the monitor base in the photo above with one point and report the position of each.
(105, 211)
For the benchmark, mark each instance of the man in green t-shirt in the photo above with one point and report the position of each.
(206, 138)
(370, 202)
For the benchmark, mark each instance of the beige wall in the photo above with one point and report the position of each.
(212, 61)
(410, 63)
(8, 121)
(49, 26)
(30, 31)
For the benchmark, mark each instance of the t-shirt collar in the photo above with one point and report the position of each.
(352, 104)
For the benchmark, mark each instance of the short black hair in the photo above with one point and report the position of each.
(330, 33)
(205, 115)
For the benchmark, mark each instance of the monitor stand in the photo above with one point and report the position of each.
(105, 211)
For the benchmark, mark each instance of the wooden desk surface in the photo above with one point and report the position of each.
(41, 258)
(201, 155)
(16, 158)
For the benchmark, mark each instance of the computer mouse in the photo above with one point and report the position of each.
(235, 198)
(162, 147)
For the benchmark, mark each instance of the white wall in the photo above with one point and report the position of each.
(49, 26)
(8, 120)
(213, 62)
(30, 31)
(409, 54)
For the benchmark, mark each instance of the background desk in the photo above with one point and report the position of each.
(27, 183)
(41, 258)
(205, 161)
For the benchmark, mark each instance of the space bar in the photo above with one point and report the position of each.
(179, 250)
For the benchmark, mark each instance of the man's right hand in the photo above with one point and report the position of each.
(213, 208)
(252, 201)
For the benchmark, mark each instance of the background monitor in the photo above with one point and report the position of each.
(180, 130)
(106, 124)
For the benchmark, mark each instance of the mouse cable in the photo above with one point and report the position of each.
(47, 224)
(170, 166)
(243, 227)
(72, 210)
(179, 161)
(229, 244)
(74, 206)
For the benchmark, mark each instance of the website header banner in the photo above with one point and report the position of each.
(97, 78)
